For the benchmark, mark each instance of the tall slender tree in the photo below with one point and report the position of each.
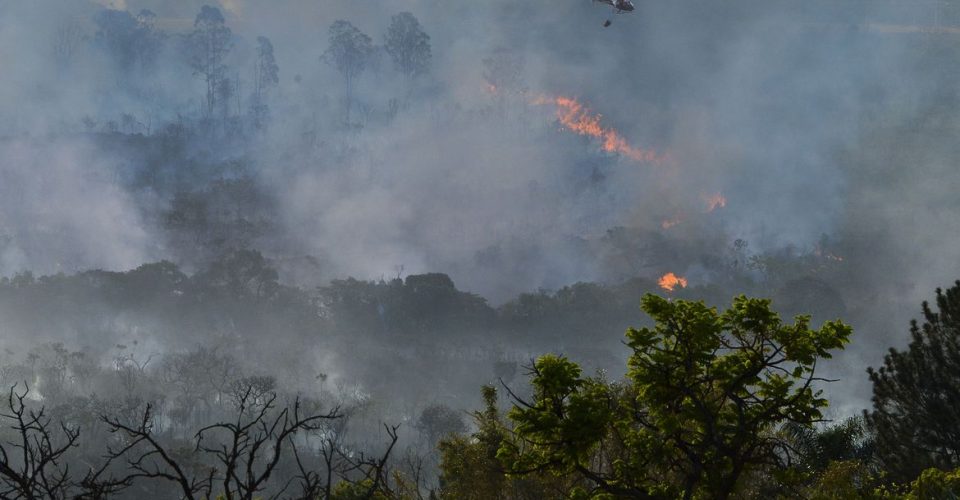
(350, 52)
(266, 75)
(207, 48)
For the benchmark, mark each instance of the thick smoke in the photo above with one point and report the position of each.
(61, 210)
(817, 122)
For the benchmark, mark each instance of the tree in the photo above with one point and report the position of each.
(700, 411)
(845, 441)
(34, 464)
(265, 77)
(246, 450)
(207, 47)
(350, 52)
(408, 45)
(470, 470)
(129, 40)
(66, 42)
(916, 394)
(503, 70)
(439, 420)
(241, 274)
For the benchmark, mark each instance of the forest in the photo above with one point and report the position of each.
(419, 249)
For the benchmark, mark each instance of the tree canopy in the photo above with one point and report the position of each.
(916, 394)
(700, 410)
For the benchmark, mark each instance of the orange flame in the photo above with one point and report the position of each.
(826, 255)
(715, 201)
(667, 224)
(670, 281)
(577, 118)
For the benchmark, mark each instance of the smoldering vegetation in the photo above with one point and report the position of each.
(364, 211)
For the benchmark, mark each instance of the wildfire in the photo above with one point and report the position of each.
(667, 224)
(490, 88)
(715, 201)
(826, 255)
(670, 281)
(577, 118)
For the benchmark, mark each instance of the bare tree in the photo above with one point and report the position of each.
(152, 459)
(365, 475)
(32, 463)
(246, 450)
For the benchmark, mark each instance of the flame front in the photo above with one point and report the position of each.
(670, 281)
(577, 118)
(826, 255)
(715, 201)
(667, 224)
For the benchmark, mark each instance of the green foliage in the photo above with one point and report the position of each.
(820, 448)
(470, 469)
(704, 401)
(935, 484)
(916, 395)
(846, 480)
(361, 490)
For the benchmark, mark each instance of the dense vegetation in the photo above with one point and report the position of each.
(384, 264)
(712, 404)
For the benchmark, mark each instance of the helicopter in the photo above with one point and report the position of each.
(620, 6)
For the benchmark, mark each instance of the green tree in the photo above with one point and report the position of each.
(916, 394)
(470, 470)
(935, 484)
(700, 412)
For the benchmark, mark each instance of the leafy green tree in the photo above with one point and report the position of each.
(700, 412)
(470, 470)
(847, 480)
(847, 440)
(935, 484)
(916, 394)
(836, 461)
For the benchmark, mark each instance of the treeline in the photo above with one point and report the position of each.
(714, 403)
(237, 78)
(723, 404)
(237, 302)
